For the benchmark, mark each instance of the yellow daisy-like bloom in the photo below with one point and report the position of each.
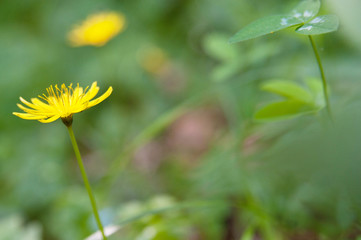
(97, 29)
(61, 103)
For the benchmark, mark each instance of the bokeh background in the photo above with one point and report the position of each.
(174, 152)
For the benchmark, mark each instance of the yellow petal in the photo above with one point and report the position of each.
(27, 103)
(92, 92)
(25, 109)
(28, 116)
(101, 98)
(41, 104)
(77, 93)
(51, 119)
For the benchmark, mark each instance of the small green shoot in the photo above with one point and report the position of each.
(297, 100)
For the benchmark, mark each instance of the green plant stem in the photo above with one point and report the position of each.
(324, 82)
(86, 181)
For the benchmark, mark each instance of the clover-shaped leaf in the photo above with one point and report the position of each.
(319, 25)
(306, 10)
(265, 26)
(301, 17)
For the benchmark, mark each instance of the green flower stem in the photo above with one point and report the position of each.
(324, 82)
(85, 179)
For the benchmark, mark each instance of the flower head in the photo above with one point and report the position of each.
(61, 103)
(97, 29)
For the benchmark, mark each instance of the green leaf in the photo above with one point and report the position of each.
(319, 25)
(248, 234)
(306, 10)
(225, 71)
(283, 110)
(288, 90)
(216, 45)
(265, 26)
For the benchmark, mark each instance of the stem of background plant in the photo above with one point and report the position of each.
(86, 182)
(324, 82)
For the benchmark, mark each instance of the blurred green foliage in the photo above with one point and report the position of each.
(298, 100)
(174, 152)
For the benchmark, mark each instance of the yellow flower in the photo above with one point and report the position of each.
(97, 29)
(61, 103)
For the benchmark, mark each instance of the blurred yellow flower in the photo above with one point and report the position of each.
(97, 29)
(61, 103)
